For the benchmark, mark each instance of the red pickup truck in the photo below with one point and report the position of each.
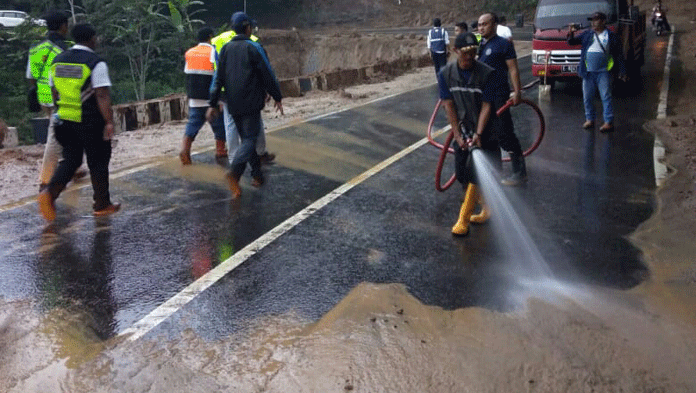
(553, 59)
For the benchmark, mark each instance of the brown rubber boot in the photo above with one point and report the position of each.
(257, 181)
(233, 183)
(47, 206)
(461, 228)
(79, 174)
(267, 158)
(111, 209)
(185, 154)
(220, 150)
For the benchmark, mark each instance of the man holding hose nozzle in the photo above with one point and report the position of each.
(467, 89)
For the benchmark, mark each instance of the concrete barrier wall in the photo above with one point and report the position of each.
(134, 115)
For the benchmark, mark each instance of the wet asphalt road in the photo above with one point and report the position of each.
(587, 191)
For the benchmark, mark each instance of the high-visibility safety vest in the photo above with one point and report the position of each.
(41, 57)
(199, 70)
(436, 38)
(610, 62)
(610, 58)
(72, 71)
(220, 40)
(467, 93)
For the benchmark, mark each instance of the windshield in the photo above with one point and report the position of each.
(557, 14)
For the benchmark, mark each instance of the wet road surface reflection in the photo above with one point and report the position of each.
(586, 193)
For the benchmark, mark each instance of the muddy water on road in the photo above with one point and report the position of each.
(378, 339)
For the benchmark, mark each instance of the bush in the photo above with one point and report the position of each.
(14, 50)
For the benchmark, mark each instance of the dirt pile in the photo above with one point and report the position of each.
(388, 13)
(304, 52)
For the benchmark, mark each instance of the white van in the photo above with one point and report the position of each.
(10, 18)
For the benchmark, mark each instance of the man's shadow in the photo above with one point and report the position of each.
(79, 281)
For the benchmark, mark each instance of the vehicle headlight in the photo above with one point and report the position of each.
(539, 58)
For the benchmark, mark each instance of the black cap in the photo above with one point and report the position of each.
(204, 34)
(55, 19)
(466, 40)
(240, 21)
(598, 15)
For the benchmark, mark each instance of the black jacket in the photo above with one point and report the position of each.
(246, 74)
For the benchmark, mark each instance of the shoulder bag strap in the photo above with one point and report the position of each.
(600, 43)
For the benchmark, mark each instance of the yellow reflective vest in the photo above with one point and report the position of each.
(71, 72)
(41, 57)
(220, 40)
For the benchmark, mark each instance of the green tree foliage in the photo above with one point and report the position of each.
(144, 36)
(142, 41)
(14, 49)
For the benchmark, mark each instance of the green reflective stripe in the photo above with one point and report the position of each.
(68, 80)
(40, 59)
(610, 63)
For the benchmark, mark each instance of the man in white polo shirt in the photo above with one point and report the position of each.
(84, 121)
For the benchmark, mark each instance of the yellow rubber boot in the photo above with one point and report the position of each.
(483, 215)
(461, 228)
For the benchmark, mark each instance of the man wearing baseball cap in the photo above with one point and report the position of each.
(246, 74)
(601, 51)
(467, 89)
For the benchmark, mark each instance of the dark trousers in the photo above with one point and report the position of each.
(248, 127)
(439, 60)
(464, 168)
(503, 128)
(80, 139)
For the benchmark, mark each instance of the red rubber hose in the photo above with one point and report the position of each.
(447, 149)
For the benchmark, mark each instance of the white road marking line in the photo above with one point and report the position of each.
(661, 171)
(116, 175)
(664, 91)
(168, 308)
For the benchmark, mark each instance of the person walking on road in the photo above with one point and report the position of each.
(500, 54)
(438, 39)
(232, 136)
(41, 57)
(460, 27)
(199, 70)
(601, 51)
(247, 76)
(84, 121)
(502, 30)
(467, 89)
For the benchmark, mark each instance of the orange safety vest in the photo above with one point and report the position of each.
(199, 70)
(198, 60)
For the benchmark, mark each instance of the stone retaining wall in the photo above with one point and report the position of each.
(131, 116)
